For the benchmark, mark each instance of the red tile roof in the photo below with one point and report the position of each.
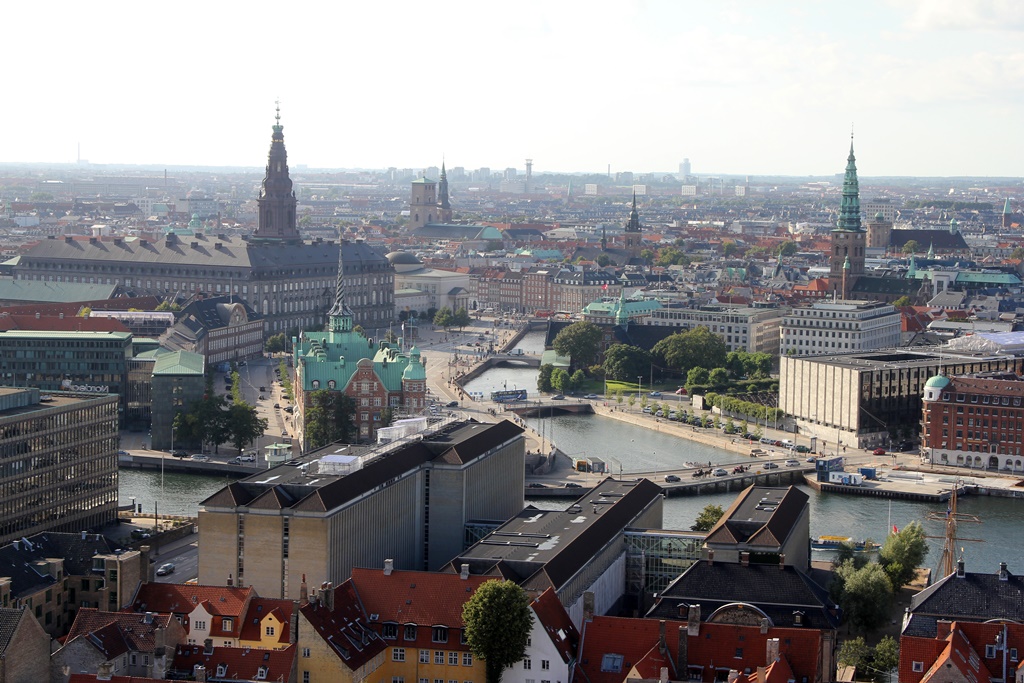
(422, 598)
(963, 647)
(182, 598)
(239, 663)
(557, 624)
(632, 638)
(114, 633)
(258, 610)
(344, 628)
(91, 678)
(53, 323)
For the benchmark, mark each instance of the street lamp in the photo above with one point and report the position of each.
(639, 384)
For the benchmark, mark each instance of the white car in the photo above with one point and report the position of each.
(248, 457)
(199, 457)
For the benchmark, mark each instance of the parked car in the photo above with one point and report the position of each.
(180, 454)
(248, 457)
(451, 404)
(654, 394)
(165, 569)
(199, 457)
(572, 485)
(878, 451)
(671, 478)
(812, 458)
(535, 485)
(771, 466)
(289, 409)
(263, 388)
(719, 472)
(792, 463)
(802, 449)
(277, 405)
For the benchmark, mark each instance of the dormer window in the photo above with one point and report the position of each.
(228, 624)
(410, 632)
(440, 634)
(389, 631)
(261, 673)
(222, 670)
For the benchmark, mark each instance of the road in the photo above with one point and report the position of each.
(185, 560)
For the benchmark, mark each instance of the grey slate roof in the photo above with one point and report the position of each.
(33, 291)
(778, 592)
(9, 620)
(77, 553)
(972, 597)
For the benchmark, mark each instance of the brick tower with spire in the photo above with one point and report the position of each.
(444, 207)
(846, 262)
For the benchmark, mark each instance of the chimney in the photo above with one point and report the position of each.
(208, 646)
(663, 675)
(766, 624)
(693, 620)
(328, 596)
(147, 568)
(734, 676)
(588, 606)
(1003, 574)
(960, 568)
(200, 673)
(661, 636)
(389, 566)
(782, 561)
(762, 674)
(104, 671)
(711, 555)
(464, 572)
(682, 655)
(293, 632)
(231, 581)
(745, 558)
(771, 651)
(943, 627)
(303, 591)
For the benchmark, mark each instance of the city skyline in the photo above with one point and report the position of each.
(932, 87)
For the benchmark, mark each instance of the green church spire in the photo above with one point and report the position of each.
(849, 210)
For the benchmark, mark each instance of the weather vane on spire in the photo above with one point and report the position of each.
(277, 105)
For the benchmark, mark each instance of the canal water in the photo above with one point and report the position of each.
(636, 449)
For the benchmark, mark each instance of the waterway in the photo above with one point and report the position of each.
(181, 493)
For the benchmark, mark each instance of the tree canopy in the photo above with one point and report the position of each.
(444, 318)
(902, 553)
(684, 350)
(865, 595)
(329, 418)
(498, 622)
(579, 341)
(625, 363)
(911, 247)
(708, 517)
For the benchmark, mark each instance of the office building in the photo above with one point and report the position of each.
(839, 327)
(870, 399)
(59, 461)
(754, 330)
(323, 515)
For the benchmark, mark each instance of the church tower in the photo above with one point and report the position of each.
(1007, 214)
(276, 202)
(631, 234)
(423, 207)
(339, 318)
(846, 262)
(444, 207)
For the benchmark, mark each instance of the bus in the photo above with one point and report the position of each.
(508, 395)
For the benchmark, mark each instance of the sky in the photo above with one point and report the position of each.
(930, 87)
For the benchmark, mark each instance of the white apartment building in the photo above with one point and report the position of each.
(836, 327)
(754, 330)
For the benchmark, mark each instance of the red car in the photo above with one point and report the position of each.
(878, 451)
(681, 391)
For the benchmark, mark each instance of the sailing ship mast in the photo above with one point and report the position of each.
(952, 518)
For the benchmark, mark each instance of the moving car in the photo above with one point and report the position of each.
(180, 454)
(277, 405)
(719, 472)
(451, 404)
(878, 451)
(591, 396)
(654, 394)
(792, 463)
(165, 569)
(681, 391)
(199, 457)
(771, 466)
(671, 478)
(558, 397)
(263, 388)
(248, 457)
(572, 485)
(535, 485)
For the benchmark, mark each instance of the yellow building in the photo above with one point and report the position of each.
(389, 626)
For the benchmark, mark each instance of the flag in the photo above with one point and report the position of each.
(894, 529)
(604, 286)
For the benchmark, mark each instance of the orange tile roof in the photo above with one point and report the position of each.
(182, 598)
(259, 608)
(422, 598)
(557, 624)
(240, 663)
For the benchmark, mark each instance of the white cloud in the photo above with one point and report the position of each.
(964, 15)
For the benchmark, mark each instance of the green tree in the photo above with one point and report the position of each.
(328, 418)
(578, 341)
(685, 350)
(853, 652)
(697, 376)
(603, 260)
(865, 595)
(902, 553)
(1017, 254)
(646, 255)
(236, 388)
(560, 380)
(461, 317)
(718, 377)
(624, 362)
(276, 343)
(631, 400)
(618, 396)
(444, 318)
(729, 249)
(905, 300)
(544, 377)
(167, 305)
(708, 517)
(498, 623)
(244, 425)
(911, 247)
(576, 380)
(886, 656)
(358, 329)
(787, 248)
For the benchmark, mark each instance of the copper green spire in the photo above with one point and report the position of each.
(849, 210)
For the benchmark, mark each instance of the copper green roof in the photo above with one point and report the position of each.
(180, 363)
(327, 356)
(849, 209)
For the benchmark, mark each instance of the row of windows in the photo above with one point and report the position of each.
(985, 400)
(452, 658)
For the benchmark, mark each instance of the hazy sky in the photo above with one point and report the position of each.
(933, 87)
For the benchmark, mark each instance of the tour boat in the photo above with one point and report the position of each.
(833, 543)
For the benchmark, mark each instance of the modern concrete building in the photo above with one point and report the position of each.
(59, 461)
(179, 380)
(862, 400)
(290, 282)
(408, 501)
(974, 421)
(750, 329)
(839, 327)
(579, 552)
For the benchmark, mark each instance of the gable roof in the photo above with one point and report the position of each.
(972, 597)
(422, 598)
(258, 610)
(114, 633)
(556, 624)
(10, 618)
(182, 598)
(344, 628)
(760, 516)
